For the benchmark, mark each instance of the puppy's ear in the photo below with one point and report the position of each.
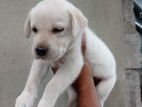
(79, 21)
(27, 28)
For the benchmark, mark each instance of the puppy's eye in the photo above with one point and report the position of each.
(34, 29)
(57, 30)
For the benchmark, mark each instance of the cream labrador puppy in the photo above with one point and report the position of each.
(58, 27)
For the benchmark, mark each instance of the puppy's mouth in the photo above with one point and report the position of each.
(40, 57)
(50, 58)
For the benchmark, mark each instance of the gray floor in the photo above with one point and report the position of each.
(105, 17)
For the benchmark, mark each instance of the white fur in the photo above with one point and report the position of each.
(72, 97)
(66, 46)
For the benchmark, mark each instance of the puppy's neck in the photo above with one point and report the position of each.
(77, 41)
(77, 46)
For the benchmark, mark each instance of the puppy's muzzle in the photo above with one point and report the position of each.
(41, 51)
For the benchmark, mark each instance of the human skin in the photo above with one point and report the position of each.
(85, 88)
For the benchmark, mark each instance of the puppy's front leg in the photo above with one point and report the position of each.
(64, 77)
(27, 97)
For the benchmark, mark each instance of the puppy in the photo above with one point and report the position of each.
(58, 27)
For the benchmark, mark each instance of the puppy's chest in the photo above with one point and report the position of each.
(56, 65)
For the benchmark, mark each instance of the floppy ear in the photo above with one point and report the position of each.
(27, 28)
(79, 21)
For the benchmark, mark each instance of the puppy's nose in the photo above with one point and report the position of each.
(41, 51)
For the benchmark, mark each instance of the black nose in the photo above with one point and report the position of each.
(41, 51)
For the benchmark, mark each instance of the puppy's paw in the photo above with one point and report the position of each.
(26, 99)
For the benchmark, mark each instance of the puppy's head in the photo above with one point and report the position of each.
(55, 25)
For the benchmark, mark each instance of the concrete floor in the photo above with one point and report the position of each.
(105, 17)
